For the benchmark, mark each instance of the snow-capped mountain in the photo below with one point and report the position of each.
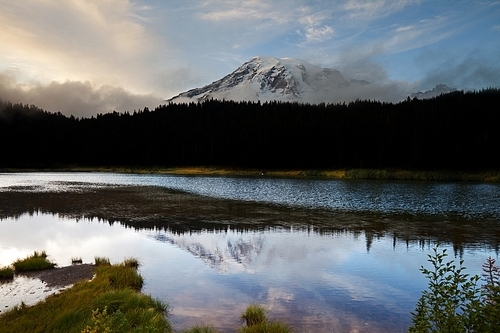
(436, 91)
(268, 79)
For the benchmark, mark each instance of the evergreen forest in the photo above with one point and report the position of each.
(455, 131)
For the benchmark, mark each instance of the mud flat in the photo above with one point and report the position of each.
(34, 287)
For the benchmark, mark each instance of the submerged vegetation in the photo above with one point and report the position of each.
(456, 132)
(454, 301)
(255, 321)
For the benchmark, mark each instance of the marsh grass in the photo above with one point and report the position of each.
(109, 301)
(254, 314)
(131, 262)
(102, 261)
(6, 273)
(36, 262)
(256, 322)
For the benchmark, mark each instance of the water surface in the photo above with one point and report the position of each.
(322, 255)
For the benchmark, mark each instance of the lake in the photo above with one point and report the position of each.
(322, 255)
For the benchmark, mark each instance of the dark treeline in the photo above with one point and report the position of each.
(456, 131)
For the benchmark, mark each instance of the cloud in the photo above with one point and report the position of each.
(374, 9)
(77, 98)
(104, 41)
(474, 70)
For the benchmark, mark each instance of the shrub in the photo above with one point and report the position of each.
(454, 301)
(36, 262)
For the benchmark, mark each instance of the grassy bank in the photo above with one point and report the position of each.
(378, 174)
(111, 302)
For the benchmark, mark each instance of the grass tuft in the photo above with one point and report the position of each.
(36, 262)
(6, 273)
(254, 314)
(102, 261)
(132, 263)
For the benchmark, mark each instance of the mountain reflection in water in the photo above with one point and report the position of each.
(321, 267)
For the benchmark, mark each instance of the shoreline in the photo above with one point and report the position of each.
(367, 174)
(34, 287)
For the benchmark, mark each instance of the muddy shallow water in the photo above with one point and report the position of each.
(320, 267)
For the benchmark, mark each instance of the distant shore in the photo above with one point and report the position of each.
(376, 174)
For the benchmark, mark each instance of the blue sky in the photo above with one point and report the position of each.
(94, 56)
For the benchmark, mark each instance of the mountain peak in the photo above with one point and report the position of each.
(266, 79)
(439, 89)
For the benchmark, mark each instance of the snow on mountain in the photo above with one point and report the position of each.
(436, 91)
(268, 79)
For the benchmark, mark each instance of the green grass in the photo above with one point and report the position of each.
(6, 273)
(102, 261)
(108, 302)
(36, 262)
(256, 321)
(254, 314)
(131, 262)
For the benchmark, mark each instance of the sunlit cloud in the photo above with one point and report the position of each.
(155, 48)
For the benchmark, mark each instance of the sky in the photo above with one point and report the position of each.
(84, 57)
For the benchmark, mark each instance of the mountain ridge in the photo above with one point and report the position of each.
(267, 79)
(290, 80)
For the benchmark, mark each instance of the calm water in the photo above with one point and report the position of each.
(351, 265)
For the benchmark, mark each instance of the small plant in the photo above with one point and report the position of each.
(36, 262)
(454, 301)
(102, 261)
(6, 273)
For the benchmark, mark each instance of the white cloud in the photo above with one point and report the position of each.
(370, 9)
(319, 34)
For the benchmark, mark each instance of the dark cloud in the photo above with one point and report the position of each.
(80, 99)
